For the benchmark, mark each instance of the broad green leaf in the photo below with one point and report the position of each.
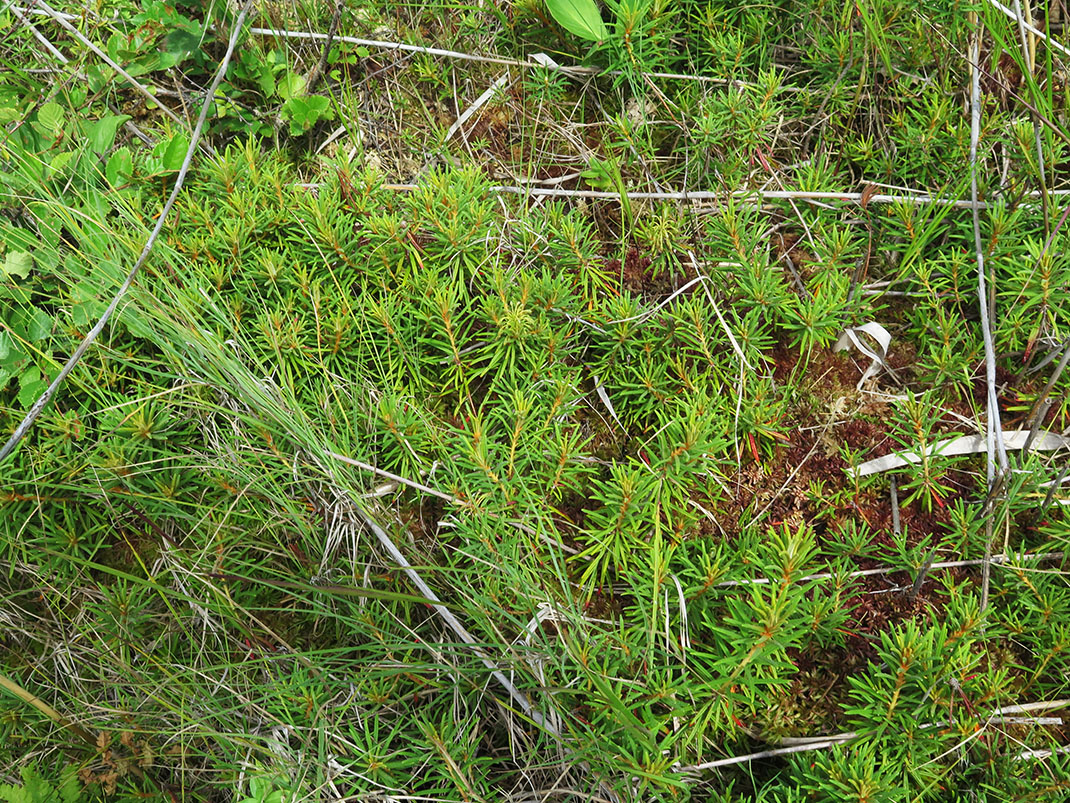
(12, 358)
(98, 76)
(17, 265)
(259, 787)
(144, 64)
(120, 167)
(180, 44)
(31, 386)
(38, 324)
(579, 17)
(61, 160)
(266, 82)
(87, 306)
(291, 85)
(50, 119)
(101, 133)
(29, 323)
(306, 112)
(175, 152)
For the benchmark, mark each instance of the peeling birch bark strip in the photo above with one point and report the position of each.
(997, 560)
(803, 745)
(965, 444)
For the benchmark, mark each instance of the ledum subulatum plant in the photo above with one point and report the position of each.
(476, 428)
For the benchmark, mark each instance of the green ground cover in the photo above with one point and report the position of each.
(475, 430)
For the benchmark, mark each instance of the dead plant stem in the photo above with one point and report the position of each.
(27, 422)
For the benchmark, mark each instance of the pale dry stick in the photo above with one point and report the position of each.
(776, 751)
(710, 195)
(41, 13)
(1028, 21)
(1029, 54)
(47, 45)
(1030, 28)
(16, 690)
(477, 105)
(396, 478)
(825, 742)
(137, 85)
(1029, 755)
(548, 182)
(994, 428)
(455, 625)
(996, 560)
(94, 333)
(1042, 404)
(317, 72)
(546, 64)
(63, 60)
(1030, 720)
(278, 33)
(717, 310)
(1026, 708)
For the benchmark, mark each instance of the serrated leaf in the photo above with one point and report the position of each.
(12, 358)
(17, 265)
(29, 323)
(50, 118)
(266, 82)
(120, 167)
(31, 386)
(87, 307)
(38, 325)
(579, 17)
(61, 160)
(306, 112)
